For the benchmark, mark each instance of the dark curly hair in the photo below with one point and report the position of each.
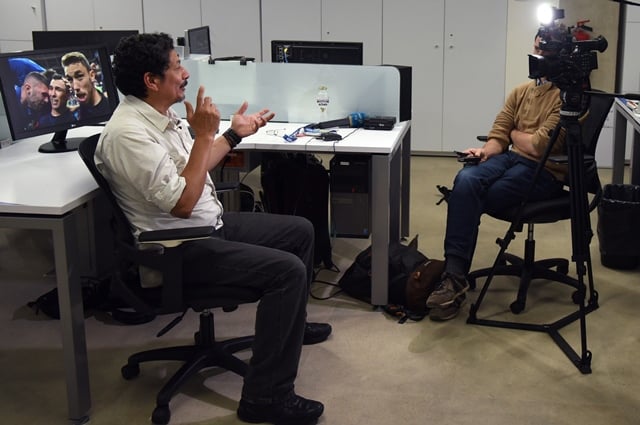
(137, 55)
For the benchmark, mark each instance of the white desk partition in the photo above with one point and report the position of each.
(290, 89)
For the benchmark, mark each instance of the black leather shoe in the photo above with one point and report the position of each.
(316, 332)
(294, 410)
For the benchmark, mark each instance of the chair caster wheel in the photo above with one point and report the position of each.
(130, 371)
(472, 283)
(576, 298)
(517, 307)
(161, 415)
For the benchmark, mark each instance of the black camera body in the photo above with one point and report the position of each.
(567, 62)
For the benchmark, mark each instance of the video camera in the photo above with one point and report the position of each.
(567, 62)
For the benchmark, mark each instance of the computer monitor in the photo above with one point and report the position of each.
(54, 39)
(198, 40)
(54, 90)
(328, 52)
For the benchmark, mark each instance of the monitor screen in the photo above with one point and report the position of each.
(198, 40)
(55, 39)
(52, 91)
(328, 52)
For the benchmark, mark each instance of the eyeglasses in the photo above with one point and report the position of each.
(276, 132)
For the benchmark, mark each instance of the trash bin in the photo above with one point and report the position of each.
(619, 226)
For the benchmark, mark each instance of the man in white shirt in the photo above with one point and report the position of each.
(160, 177)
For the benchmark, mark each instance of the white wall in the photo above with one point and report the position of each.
(522, 25)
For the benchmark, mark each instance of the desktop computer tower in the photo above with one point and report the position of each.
(405, 91)
(350, 195)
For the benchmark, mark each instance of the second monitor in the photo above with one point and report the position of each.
(56, 39)
(198, 40)
(326, 52)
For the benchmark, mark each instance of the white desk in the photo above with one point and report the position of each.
(624, 115)
(390, 175)
(52, 192)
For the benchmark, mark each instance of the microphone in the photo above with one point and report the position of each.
(354, 120)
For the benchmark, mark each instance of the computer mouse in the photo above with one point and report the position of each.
(330, 137)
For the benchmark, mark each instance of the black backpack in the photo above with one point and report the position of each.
(412, 278)
(298, 184)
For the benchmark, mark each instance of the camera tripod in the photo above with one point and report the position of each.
(581, 234)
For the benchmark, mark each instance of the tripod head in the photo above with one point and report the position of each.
(567, 61)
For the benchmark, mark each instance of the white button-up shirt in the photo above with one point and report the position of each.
(142, 153)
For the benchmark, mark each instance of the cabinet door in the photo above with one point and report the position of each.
(413, 35)
(69, 15)
(64, 15)
(289, 20)
(235, 27)
(118, 15)
(17, 21)
(474, 69)
(171, 16)
(355, 20)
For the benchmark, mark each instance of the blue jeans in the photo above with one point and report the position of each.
(273, 254)
(501, 182)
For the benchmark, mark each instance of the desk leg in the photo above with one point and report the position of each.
(405, 184)
(619, 142)
(385, 216)
(74, 346)
(635, 158)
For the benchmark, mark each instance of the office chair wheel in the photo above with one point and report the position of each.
(563, 268)
(161, 415)
(130, 371)
(472, 282)
(517, 307)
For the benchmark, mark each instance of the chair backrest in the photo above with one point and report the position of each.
(122, 226)
(592, 125)
(168, 298)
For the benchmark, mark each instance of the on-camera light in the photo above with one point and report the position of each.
(547, 13)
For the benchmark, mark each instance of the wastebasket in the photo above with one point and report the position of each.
(619, 226)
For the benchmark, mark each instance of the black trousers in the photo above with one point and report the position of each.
(274, 254)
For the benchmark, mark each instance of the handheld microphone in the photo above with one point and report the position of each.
(354, 120)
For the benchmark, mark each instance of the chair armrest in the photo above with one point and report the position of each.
(222, 187)
(174, 237)
(564, 159)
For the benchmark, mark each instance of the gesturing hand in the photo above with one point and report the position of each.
(246, 125)
(205, 119)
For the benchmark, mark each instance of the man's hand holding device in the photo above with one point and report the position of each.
(467, 157)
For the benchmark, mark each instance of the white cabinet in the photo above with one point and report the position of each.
(118, 15)
(235, 27)
(17, 20)
(457, 50)
(414, 36)
(355, 20)
(93, 15)
(171, 17)
(324, 20)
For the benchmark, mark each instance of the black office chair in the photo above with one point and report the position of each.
(547, 211)
(174, 296)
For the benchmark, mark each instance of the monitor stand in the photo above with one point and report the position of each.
(60, 143)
